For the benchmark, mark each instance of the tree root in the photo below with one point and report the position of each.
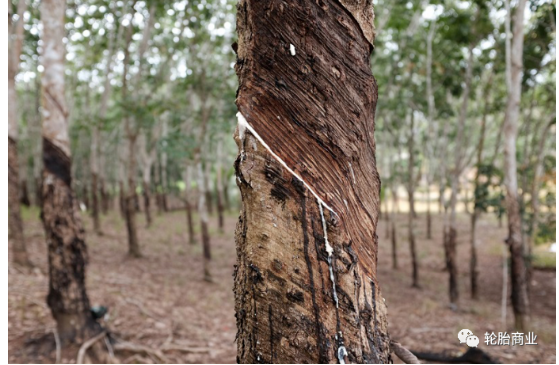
(87, 344)
(403, 353)
(472, 356)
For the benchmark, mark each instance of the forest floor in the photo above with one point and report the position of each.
(161, 301)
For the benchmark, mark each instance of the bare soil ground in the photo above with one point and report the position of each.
(421, 319)
(161, 301)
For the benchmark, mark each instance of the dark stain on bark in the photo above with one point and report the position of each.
(57, 162)
(274, 175)
(323, 349)
(297, 296)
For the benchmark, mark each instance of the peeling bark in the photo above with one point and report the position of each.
(305, 280)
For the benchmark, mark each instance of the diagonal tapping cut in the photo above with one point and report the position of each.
(243, 126)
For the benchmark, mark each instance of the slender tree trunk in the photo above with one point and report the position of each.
(121, 199)
(95, 200)
(536, 184)
(219, 186)
(64, 231)
(451, 229)
(474, 271)
(188, 200)
(147, 202)
(411, 200)
(15, 224)
(104, 197)
(208, 189)
(131, 202)
(394, 247)
(514, 50)
(307, 232)
(202, 206)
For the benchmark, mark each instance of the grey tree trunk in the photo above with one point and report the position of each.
(514, 51)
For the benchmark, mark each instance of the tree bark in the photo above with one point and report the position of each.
(411, 200)
(202, 211)
(394, 247)
(67, 252)
(474, 271)
(305, 282)
(514, 51)
(188, 201)
(451, 230)
(15, 224)
(219, 186)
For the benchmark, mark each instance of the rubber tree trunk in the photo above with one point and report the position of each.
(15, 224)
(131, 202)
(65, 236)
(394, 241)
(147, 202)
(202, 211)
(411, 200)
(305, 287)
(514, 53)
(451, 229)
(219, 186)
(188, 202)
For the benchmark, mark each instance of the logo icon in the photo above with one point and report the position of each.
(466, 336)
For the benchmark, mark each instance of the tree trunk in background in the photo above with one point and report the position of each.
(202, 206)
(104, 197)
(85, 197)
(188, 201)
(451, 229)
(15, 224)
(147, 202)
(536, 185)
(474, 271)
(64, 231)
(411, 200)
(219, 185)
(310, 247)
(207, 187)
(130, 205)
(164, 185)
(514, 66)
(394, 247)
(121, 199)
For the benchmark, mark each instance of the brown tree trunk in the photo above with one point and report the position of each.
(95, 207)
(305, 282)
(429, 235)
(121, 200)
(104, 198)
(85, 197)
(15, 224)
(24, 195)
(188, 203)
(394, 247)
(411, 200)
(65, 236)
(147, 203)
(474, 271)
(219, 186)
(202, 206)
